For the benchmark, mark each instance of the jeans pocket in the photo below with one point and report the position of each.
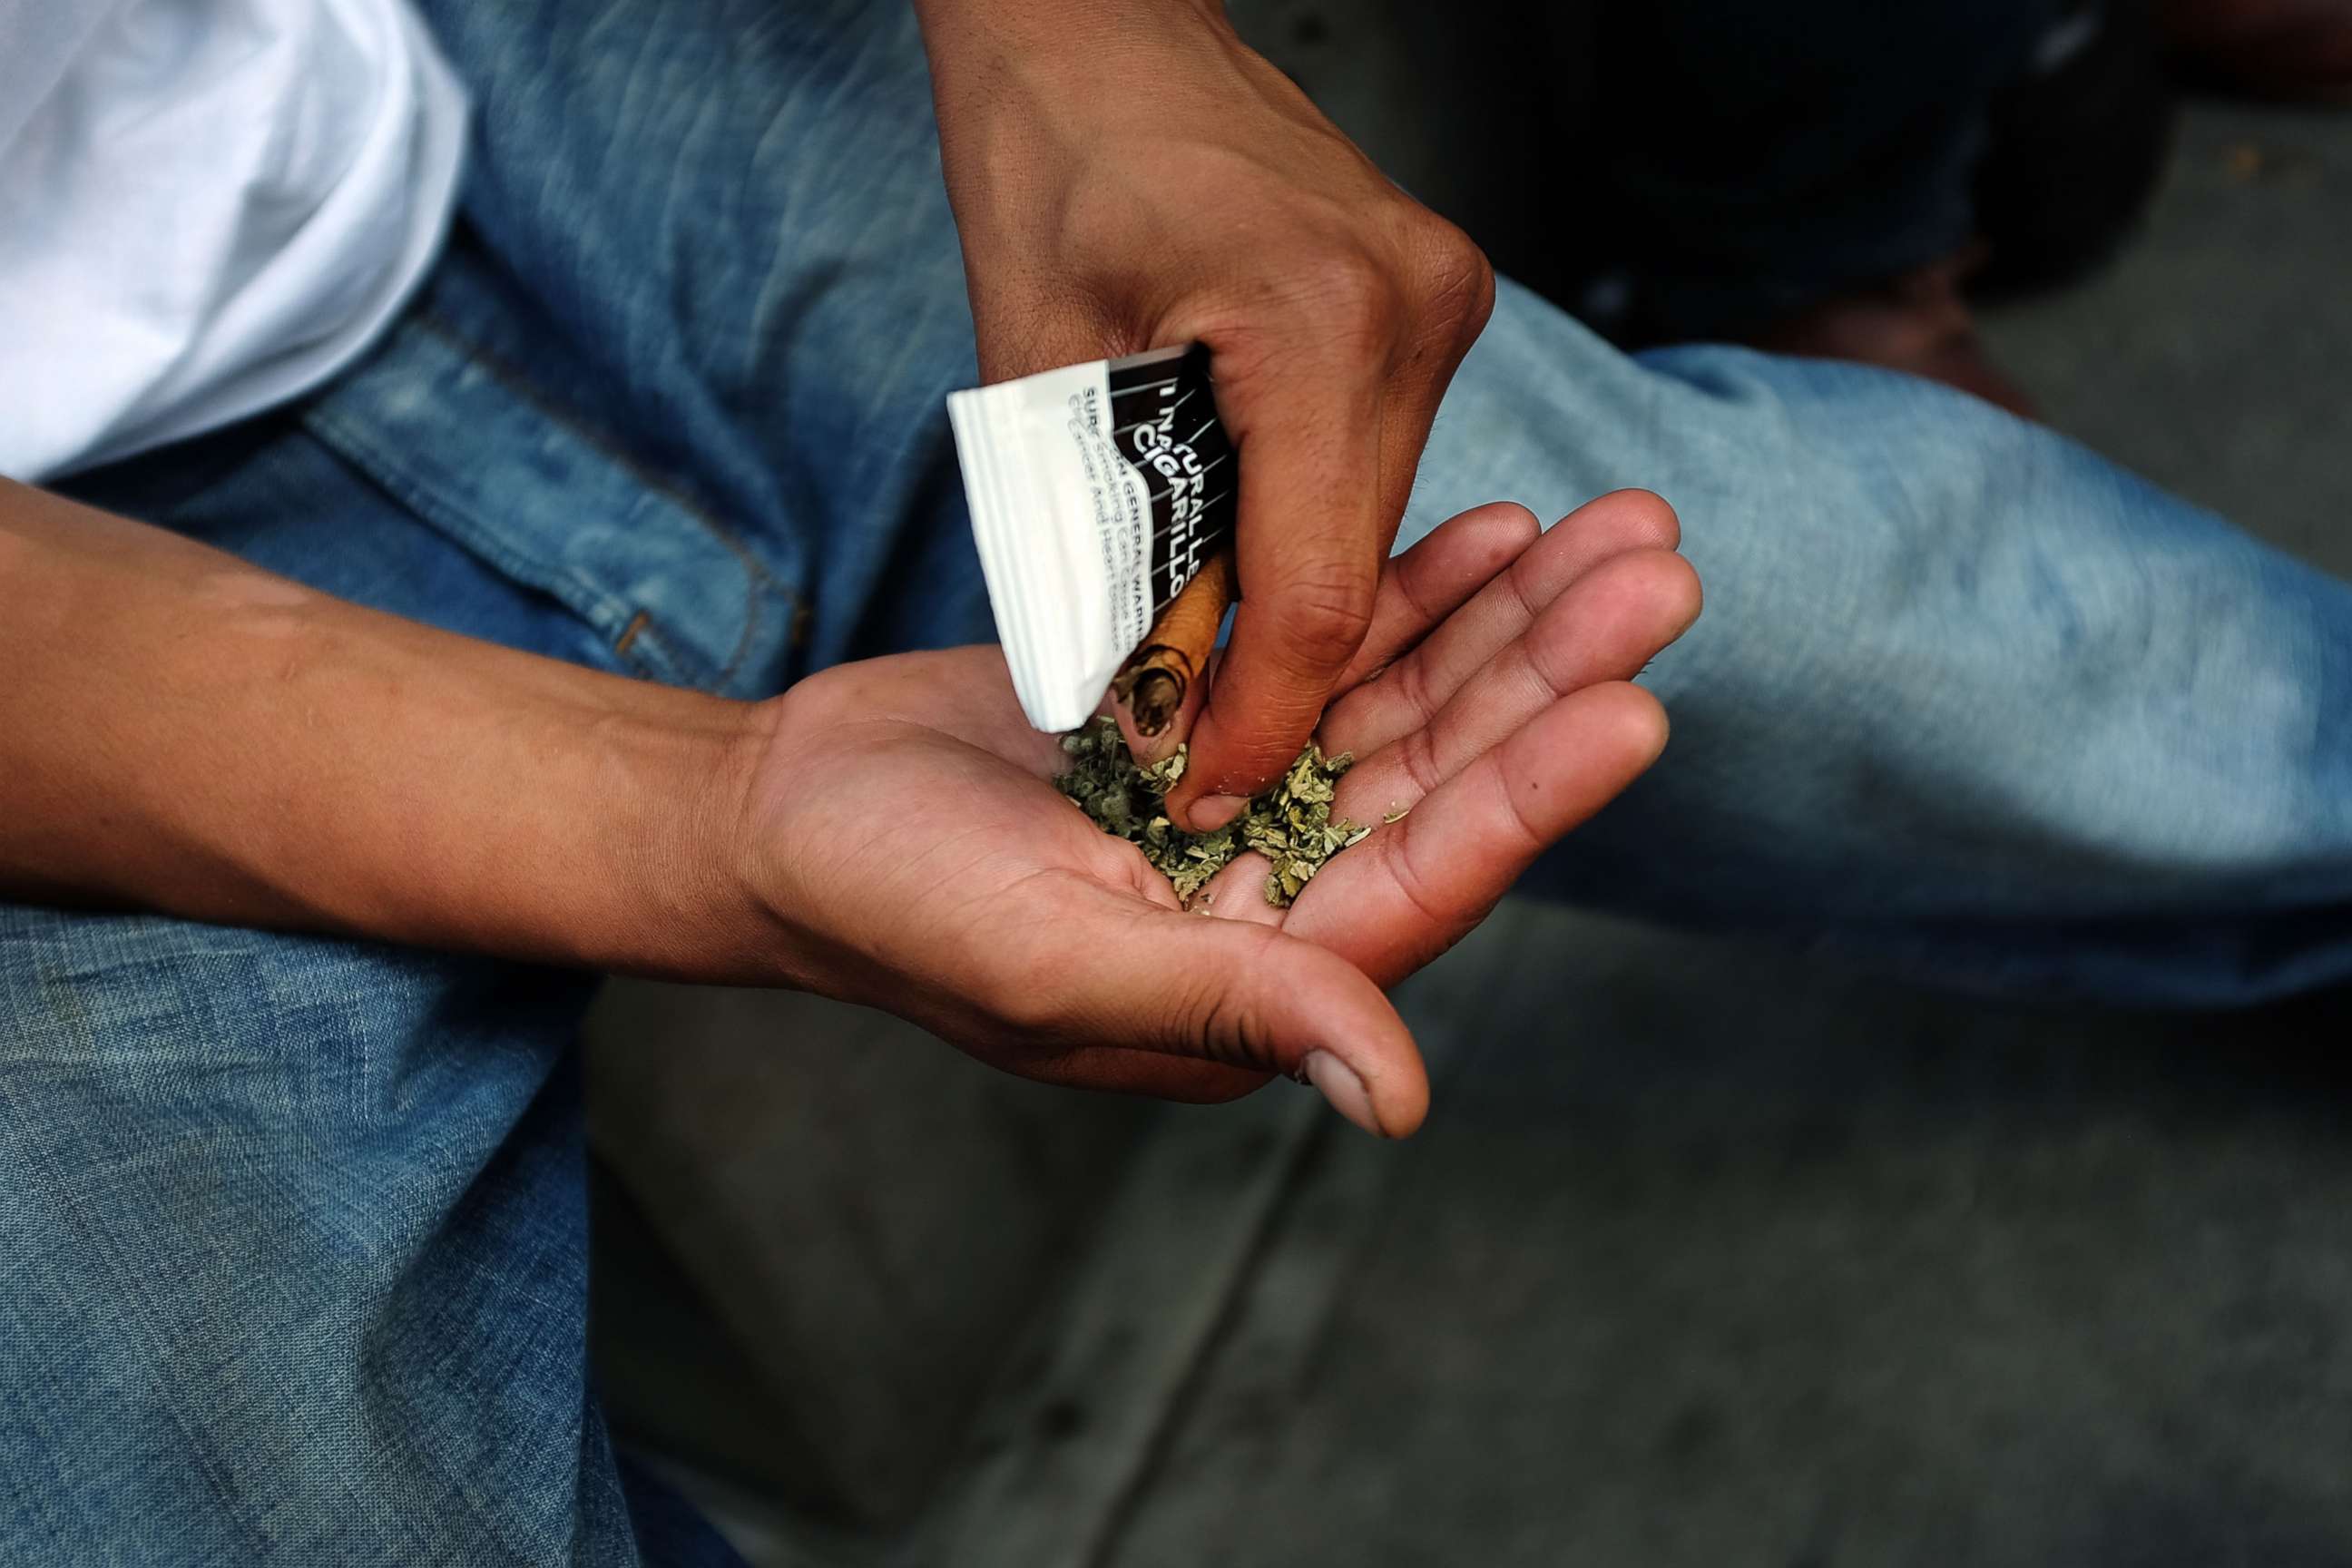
(460, 439)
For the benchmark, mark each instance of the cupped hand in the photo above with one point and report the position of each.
(903, 832)
(1136, 177)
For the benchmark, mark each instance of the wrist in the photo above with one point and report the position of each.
(522, 807)
(674, 841)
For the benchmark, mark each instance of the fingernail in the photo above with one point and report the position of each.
(1212, 812)
(1344, 1092)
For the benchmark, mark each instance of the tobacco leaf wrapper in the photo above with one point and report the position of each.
(1098, 493)
(1291, 824)
(1154, 684)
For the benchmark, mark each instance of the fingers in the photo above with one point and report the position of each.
(1418, 589)
(1308, 545)
(1132, 978)
(1422, 586)
(1606, 625)
(1328, 420)
(1416, 886)
(1422, 680)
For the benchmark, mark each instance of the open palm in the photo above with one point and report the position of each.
(905, 831)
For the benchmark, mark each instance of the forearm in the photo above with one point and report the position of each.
(1011, 77)
(979, 30)
(1043, 103)
(182, 732)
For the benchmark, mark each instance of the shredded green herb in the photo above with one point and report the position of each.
(1291, 824)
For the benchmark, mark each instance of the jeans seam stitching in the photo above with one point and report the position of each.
(355, 444)
(507, 376)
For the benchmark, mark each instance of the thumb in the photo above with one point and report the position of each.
(1243, 995)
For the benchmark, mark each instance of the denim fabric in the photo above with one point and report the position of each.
(294, 1226)
(1965, 698)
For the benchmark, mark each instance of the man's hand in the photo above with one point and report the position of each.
(1132, 176)
(885, 832)
(904, 838)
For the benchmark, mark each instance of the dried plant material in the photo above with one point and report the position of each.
(1291, 824)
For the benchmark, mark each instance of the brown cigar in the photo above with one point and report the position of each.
(1154, 681)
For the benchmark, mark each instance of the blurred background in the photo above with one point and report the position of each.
(1709, 1254)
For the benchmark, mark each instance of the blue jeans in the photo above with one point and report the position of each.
(294, 1227)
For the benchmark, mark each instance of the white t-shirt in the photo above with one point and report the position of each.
(207, 207)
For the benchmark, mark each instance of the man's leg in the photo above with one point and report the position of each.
(714, 232)
(295, 1228)
(293, 1225)
(295, 1252)
(1965, 694)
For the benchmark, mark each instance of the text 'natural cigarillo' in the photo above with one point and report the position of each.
(1098, 494)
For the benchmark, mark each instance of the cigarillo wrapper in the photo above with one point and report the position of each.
(1097, 491)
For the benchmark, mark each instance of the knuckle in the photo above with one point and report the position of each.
(1325, 614)
(1426, 609)
(1218, 1021)
(1411, 678)
(1456, 281)
(1408, 873)
(1421, 765)
(1354, 296)
(1216, 1030)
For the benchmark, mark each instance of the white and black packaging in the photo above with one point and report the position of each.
(1096, 493)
